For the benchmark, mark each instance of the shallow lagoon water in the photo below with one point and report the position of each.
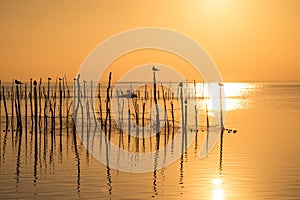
(261, 161)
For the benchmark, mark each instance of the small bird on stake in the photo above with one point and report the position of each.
(220, 84)
(18, 82)
(155, 69)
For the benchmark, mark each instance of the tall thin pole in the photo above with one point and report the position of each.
(155, 102)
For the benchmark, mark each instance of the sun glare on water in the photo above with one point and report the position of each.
(234, 95)
(218, 192)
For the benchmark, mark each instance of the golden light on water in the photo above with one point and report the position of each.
(234, 95)
(218, 193)
(216, 181)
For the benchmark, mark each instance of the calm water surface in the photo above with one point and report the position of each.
(261, 161)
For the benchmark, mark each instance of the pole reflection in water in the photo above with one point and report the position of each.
(77, 159)
(218, 193)
(52, 151)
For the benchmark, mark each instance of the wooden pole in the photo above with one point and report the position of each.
(196, 119)
(207, 130)
(35, 128)
(92, 103)
(18, 111)
(12, 106)
(145, 95)
(156, 107)
(143, 125)
(173, 120)
(30, 98)
(0, 100)
(182, 112)
(48, 92)
(25, 109)
(107, 103)
(5, 107)
(185, 123)
(221, 150)
(129, 124)
(40, 102)
(100, 104)
(60, 105)
(165, 114)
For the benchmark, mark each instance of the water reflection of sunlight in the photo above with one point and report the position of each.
(217, 181)
(218, 193)
(237, 89)
(234, 95)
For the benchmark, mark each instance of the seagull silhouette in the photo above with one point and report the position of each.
(220, 84)
(128, 94)
(155, 69)
(18, 82)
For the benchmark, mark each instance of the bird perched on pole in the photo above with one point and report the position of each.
(128, 94)
(155, 69)
(220, 84)
(18, 82)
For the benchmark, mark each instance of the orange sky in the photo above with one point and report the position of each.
(248, 40)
